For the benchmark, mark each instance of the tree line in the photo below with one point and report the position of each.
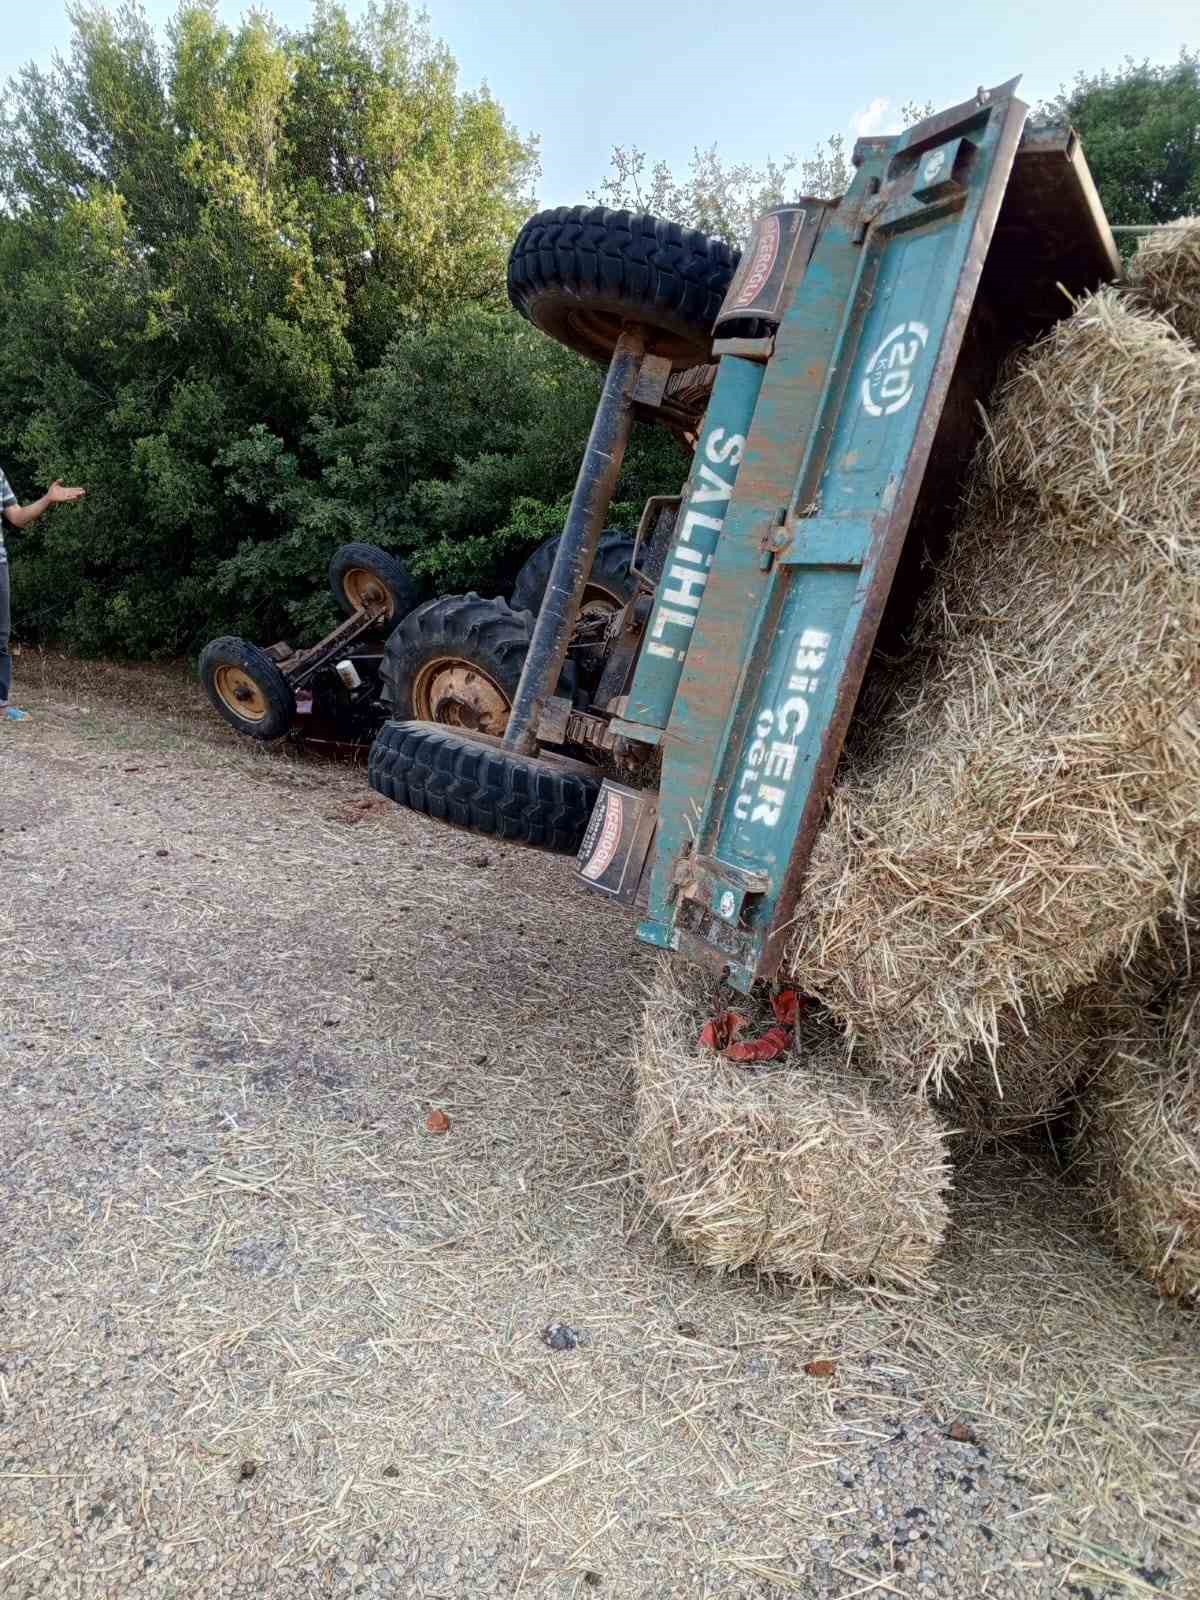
(252, 295)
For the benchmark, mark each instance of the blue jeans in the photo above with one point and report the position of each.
(5, 633)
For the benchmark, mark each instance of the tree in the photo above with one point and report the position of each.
(413, 190)
(720, 200)
(726, 200)
(209, 243)
(427, 464)
(1140, 130)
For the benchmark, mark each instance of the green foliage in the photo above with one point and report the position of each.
(435, 459)
(1140, 130)
(725, 201)
(722, 201)
(251, 296)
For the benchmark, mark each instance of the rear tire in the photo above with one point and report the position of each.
(456, 661)
(579, 273)
(610, 582)
(364, 575)
(472, 782)
(247, 688)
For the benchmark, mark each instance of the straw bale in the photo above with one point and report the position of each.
(1028, 807)
(1166, 273)
(1041, 1069)
(813, 1169)
(1029, 1082)
(1139, 1143)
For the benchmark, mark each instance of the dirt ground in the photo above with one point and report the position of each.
(262, 1333)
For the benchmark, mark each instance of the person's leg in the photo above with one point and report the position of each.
(5, 630)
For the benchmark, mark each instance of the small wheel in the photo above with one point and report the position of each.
(610, 584)
(579, 273)
(456, 661)
(469, 779)
(247, 688)
(365, 578)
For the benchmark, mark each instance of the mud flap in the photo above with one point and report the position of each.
(618, 841)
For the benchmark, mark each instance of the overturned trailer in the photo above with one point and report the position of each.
(852, 345)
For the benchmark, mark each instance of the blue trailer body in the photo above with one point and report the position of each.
(846, 413)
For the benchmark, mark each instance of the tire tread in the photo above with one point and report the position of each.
(445, 774)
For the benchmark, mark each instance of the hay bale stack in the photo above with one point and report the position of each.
(1042, 1068)
(1031, 1081)
(1139, 1142)
(814, 1169)
(1030, 806)
(1165, 272)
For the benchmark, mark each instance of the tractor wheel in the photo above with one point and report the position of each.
(610, 583)
(363, 575)
(247, 688)
(470, 780)
(456, 661)
(579, 273)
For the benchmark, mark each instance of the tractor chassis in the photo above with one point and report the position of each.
(327, 711)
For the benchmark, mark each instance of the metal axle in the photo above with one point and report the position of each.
(594, 488)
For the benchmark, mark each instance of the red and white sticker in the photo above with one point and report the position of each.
(601, 857)
(763, 259)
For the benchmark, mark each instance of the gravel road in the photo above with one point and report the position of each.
(264, 1333)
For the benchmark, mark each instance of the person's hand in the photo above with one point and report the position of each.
(59, 494)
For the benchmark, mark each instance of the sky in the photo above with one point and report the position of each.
(769, 83)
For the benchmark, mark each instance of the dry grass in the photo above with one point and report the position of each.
(1121, 1057)
(1166, 272)
(228, 1240)
(166, 690)
(1029, 806)
(813, 1169)
(1030, 1081)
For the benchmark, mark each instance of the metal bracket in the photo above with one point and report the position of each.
(305, 664)
(652, 381)
(725, 888)
(752, 349)
(653, 537)
(552, 724)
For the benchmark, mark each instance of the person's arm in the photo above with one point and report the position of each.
(56, 495)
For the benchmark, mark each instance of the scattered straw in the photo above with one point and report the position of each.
(811, 1170)
(1028, 807)
(1166, 271)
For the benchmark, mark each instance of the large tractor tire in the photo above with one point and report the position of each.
(579, 273)
(247, 688)
(470, 780)
(610, 584)
(456, 661)
(363, 575)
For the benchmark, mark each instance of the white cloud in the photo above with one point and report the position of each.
(872, 118)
